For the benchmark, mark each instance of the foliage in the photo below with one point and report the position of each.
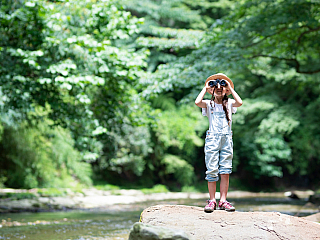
(167, 33)
(158, 188)
(41, 155)
(126, 154)
(18, 196)
(73, 59)
(279, 84)
(119, 91)
(107, 187)
(51, 192)
(181, 170)
(177, 138)
(286, 72)
(168, 13)
(294, 32)
(190, 189)
(179, 129)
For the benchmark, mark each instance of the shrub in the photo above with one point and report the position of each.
(38, 154)
(159, 188)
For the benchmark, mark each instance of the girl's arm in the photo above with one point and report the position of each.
(199, 100)
(236, 97)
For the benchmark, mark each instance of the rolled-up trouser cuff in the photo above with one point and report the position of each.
(212, 179)
(225, 171)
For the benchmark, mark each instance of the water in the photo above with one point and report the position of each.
(96, 224)
(115, 222)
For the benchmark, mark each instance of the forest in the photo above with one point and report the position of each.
(102, 91)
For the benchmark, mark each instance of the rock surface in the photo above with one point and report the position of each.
(314, 218)
(229, 225)
(315, 198)
(141, 231)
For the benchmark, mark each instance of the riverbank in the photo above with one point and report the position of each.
(94, 198)
(111, 214)
(89, 199)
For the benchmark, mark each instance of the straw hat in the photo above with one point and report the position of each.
(220, 76)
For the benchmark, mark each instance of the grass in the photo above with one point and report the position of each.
(159, 188)
(189, 189)
(107, 187)
(52, 192)
(62, 192)
(18, 196)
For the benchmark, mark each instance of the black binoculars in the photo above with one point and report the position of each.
(214, 83)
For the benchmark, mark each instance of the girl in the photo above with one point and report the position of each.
(218, 144)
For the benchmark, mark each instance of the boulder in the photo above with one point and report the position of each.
(315, 199)
(223, 225)
(141, 231)
(314, 217)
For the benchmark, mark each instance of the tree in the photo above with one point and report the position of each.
(173, 29)
(71, 56)
(269, 49)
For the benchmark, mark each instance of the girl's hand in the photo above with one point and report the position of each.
(227, 86)
(209, 89)
(207, 85)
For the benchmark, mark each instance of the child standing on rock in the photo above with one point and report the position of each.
(218, 144)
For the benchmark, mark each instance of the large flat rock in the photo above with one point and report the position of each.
(230, 225)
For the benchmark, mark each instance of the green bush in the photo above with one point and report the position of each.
(107, 187)
(18, 196)
(51, 192)
(159, 188)
(189, 189)
(177, 134)
(180, 168)
(40, 155)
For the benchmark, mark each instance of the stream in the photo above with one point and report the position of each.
(115, 222)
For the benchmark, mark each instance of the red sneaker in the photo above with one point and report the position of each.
(211, 206)
(226, 206)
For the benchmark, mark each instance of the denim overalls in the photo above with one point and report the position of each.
(218, 146)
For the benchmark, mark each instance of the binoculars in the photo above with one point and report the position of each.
(214, 83)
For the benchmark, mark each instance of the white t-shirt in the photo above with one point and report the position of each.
(218, 108)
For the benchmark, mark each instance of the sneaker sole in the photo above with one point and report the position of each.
(208, 210)
(228, 210)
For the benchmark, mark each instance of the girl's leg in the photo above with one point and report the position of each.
(211, 204)
(224, 186)
(212, 190)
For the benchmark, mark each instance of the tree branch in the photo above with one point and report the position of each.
(265, 38)
(287, 59)
(304, 33)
